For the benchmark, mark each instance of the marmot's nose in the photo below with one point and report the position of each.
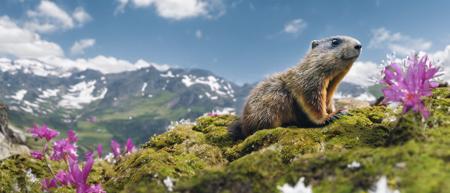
(358, 47)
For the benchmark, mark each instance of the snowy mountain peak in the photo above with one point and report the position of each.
(63, 67)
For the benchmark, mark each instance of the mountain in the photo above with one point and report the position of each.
(100, 106)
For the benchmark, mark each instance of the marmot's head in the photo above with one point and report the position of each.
(341, 50)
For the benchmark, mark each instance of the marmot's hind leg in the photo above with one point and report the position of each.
(271, 109)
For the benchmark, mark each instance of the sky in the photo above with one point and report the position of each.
(241, 40)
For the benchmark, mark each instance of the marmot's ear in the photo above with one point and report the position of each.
(314, 43)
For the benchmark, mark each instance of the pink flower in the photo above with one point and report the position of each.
(71, 136)
(78, 177)
(43, 132)
(46, 184)
(97, 188)
(115, 148)
(62, 177)
(63, 148)
(37, 155)
(129, 146)
(410, 86)
(212, 114)
(99, 150)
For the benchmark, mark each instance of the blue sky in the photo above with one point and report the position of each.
(241, 40)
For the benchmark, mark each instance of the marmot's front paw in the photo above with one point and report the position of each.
(342, 112)
(339, 114)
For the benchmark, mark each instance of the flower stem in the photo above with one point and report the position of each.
(47, 161)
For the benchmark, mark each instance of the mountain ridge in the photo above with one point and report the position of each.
(118, 105)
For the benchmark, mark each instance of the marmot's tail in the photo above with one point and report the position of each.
(235, 130)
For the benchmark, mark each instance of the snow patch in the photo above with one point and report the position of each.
(35, 67)
(19, 95)
(79, 94)
(63, 67)
(143, 88)
(168, 74)
(211, 81)
(49, 93)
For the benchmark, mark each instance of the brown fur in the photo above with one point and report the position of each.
(303, 95)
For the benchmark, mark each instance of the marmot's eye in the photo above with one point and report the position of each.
(335, 42)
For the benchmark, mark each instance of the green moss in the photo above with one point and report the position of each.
(176, 136)
(219, 136)
(204, 122)
(415, 157)
(13, 174)
(289, 141)
(149, 165)
(354, 130)
(248, 174)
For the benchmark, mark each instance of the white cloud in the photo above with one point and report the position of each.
(199, 34)
(47, 58)
(49, 17)
(142, 3)
(363, 73)
(396, 42)
(178, 9)
(81, 16)
(52, 11)
(295, 26)
(121, 6)
(23, 43)
(366, 73)
(79, 46)
(442, 59)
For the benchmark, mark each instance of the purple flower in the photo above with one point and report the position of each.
(37, 155)
(410, 86)
(43, 132)
(97, 188)
(212, 114)
(62, 177)
(78, 177)
(115, 148)
(46, 184)
(129, 146)
(62, 149)
(71, 136)
(99, 150)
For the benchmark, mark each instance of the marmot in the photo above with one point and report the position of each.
(303, 95)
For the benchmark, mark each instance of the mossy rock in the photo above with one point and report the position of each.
(178, 135)
(14, 177)
(204, 122)
(203, 158)
(149, 165)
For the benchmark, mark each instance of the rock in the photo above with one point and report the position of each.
(350, 103)
(11, 140)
